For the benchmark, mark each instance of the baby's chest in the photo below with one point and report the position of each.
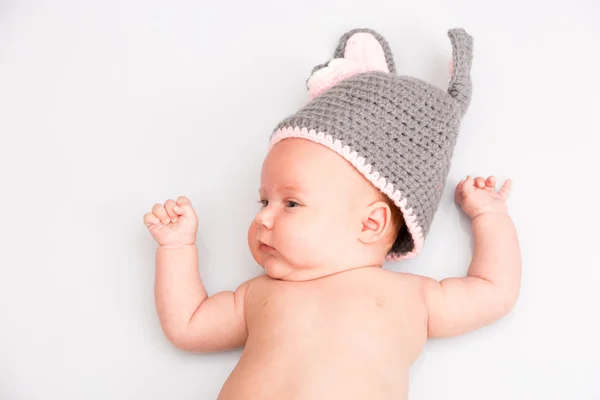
(283, 308)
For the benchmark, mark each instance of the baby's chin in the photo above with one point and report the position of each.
(275, 268)
(281, 269)
(278, 268)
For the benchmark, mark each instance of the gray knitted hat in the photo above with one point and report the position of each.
(398, 131)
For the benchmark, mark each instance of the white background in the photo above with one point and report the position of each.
(108, 107)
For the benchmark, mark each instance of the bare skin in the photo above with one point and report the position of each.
(326, 321)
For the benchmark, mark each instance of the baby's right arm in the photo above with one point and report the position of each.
(492, 284)
(191, 319)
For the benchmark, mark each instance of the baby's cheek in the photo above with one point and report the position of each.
(322, 233)
(296, 241)
(340, 230)
(251, 234)
(252, 243)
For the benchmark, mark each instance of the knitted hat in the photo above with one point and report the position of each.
(398, 131)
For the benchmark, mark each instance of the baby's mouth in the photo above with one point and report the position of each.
(265, 247)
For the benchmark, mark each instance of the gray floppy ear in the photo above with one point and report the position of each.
(462, 56)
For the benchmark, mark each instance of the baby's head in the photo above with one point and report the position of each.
(319, 215)
(355, 177)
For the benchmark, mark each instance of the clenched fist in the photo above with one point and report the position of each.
(174, 223)
(477, 196)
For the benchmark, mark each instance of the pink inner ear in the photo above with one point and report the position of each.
(363, 48)
(363, 53)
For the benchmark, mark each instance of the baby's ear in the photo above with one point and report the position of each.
(375, 221)
(360, 50)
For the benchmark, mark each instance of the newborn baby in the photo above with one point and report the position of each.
(350, 181)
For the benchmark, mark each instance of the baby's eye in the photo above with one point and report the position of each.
(264, 202)
(292, 204)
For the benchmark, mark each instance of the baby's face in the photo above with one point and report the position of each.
(309, 220)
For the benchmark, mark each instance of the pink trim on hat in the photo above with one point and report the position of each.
(373, 176)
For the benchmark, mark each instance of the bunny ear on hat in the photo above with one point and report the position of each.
(462, 56)
(370, 42)
(359, 51)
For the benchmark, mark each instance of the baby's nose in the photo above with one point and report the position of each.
(264, 219)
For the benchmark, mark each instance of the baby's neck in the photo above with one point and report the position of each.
(316, 274)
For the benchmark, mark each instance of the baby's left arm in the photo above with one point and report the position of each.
(492, 284)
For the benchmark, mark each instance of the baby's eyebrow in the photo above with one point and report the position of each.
(291, 187)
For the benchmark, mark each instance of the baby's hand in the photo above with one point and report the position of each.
(173, 224)
(478, 196)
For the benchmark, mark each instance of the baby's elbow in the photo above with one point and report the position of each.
(185, 343)
(506, 300)
(185, 340)
(179, 338)
(180, 341)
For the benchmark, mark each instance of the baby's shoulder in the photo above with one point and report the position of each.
(398, 278)
(386, 282)
(397, 284)
(403, 288)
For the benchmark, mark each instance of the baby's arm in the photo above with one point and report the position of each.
(189, 318)
(492, 284)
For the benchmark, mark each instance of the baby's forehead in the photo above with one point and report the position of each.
(309, 167)
(291, 179)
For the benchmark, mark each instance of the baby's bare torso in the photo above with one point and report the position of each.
(352, 335)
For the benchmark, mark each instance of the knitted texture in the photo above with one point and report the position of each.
(398, 131)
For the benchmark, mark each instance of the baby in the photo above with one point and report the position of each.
(351, 180)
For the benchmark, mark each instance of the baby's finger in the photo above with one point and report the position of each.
(468, 186)
(458, 191)
(505, 190)
(161, 213)
(169, 204)
(480, 182)
(490, 184)
(184, 207)
(151, 219)
(181, 200)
